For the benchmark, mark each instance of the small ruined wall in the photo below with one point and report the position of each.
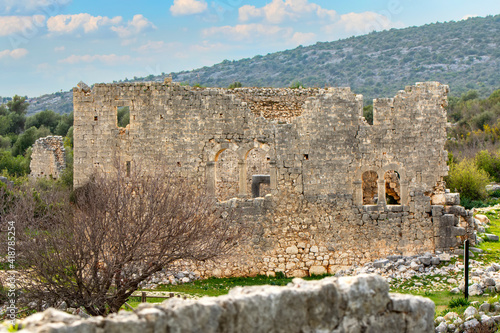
(48, 157)
(350, 304)
(314, 145)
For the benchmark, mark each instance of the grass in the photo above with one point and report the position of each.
(217, 286)
(221, 286)
(134, 301)
(491, 248)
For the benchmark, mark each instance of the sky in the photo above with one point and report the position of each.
(50, 45)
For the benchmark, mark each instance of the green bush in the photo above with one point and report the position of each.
(236, 84)
(297, 85)
(466, 178)
(469, 204)
(458, 302)
(368, 113)
(490, 163)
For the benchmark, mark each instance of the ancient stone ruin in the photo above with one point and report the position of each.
(48, 157)
(333, 190)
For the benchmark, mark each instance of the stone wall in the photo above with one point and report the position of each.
(315, 146)
(355, 304)
(48, 157)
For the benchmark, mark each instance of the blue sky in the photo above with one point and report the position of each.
(50, 45)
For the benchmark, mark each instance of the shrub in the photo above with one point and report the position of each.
(236, 84)
(466, 178)
(490, 163)
(297, 85)
(458, 302)
(368, 114)
(117, 232)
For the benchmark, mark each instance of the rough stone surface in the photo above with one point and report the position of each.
(358, 304)
(316, 148)
(48, 157)
(492, 237)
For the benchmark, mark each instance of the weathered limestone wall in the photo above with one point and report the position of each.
(48, 157)
(356, 304)
(315, 146)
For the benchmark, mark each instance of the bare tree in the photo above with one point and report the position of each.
(116, 232)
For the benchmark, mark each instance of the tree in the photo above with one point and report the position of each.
(118, 232)
(47, 118)
(28, 138)
(17, 113)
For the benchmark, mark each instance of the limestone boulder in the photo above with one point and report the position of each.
(482, 218)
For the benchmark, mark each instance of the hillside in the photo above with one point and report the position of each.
(464, 55)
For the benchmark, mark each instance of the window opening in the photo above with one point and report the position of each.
(392, 187)
(257, 165)
(122, 116)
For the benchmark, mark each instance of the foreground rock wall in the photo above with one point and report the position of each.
(355, 304)
(314, 145)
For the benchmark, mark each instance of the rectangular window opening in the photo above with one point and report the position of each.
(122, 116)
(128, 168)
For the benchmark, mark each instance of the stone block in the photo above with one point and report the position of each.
(452, 198)
(317, 270)
(492, 237)
(482, 218)
(438, 199)
(292, 250)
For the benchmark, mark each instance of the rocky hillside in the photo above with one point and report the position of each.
(464, 55)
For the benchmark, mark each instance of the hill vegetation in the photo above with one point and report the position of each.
(19, 132)
(465, 55)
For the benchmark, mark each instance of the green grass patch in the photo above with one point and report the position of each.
(491, 248)
(217, 286)
(221, 286)
(134, 301)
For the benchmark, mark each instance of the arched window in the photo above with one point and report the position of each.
(392, 187)
(226, 174)
(370, 188)
(257, 164)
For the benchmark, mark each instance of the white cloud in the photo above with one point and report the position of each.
(248, 31)
(30, 6)
(280, 10)
(70, 23)
(361, 23)
(20, 24)
(59, 48)
(188, 7)
(301, 38)
(109, 59)
(14, 54)
(138, 24)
